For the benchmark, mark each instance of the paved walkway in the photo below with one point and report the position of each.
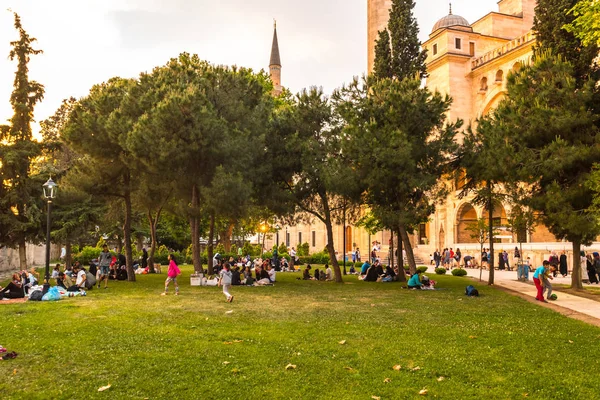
(508, 280)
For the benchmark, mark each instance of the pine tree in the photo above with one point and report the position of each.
(21, 190)
(551, 16)
(383, 56)
(408, 59)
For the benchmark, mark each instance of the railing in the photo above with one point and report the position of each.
(500, 51)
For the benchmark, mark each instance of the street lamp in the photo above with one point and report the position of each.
(263, 229)
(50, 190)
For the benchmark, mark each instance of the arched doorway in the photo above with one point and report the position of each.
(500, 220)
(465, 218)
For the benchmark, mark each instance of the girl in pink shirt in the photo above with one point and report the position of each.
(172, 274)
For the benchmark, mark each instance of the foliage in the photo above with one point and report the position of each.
(303, 249)
(20, 180)
(422, 269)
(87, 254)
(403, 57)
(549, 119)
(586, 25)
(459, 272)
(316, 258)
(550, 18)
(399, 145)
(440, 271)
(282, 248)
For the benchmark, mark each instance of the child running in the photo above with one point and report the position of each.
(172, 274)
(538, 276)
(225, 281)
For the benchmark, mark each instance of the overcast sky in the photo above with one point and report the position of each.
(322, 42)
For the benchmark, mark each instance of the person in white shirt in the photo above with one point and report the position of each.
(80, 280)
(292, 258)
(272, 274)
(225, 281)
(328, 274)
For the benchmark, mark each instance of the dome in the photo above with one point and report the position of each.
(451, 20)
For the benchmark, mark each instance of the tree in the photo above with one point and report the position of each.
(548, 117)
(383, 56)
(98, 128)
(550, 18)
(400, 145)
(202, 117)
(404, 56)
(586, 25)
(480, 231)
(312, 170)
(21, 191)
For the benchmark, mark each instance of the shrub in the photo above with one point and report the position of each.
(358, 265)
(87, 254)
(422, 269)
(406, 267)
(303, 249)
(282, 249)
(459, 272)
(440, 271)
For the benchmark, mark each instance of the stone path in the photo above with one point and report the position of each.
(508, 280)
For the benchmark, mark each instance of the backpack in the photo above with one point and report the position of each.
(471, 291)
(36, 295)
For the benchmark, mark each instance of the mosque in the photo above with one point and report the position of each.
(469, 62)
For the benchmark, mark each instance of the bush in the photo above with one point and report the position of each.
(358, 265)
(282, 249)
(87, 254)
(459, 272)
(303, 249)
(440, 271)
(422, 269)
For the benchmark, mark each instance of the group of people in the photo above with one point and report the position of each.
(324, 275)
(447, 258)
(375, 273)
(21, 282)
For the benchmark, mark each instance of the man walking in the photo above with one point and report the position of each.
(104, 263)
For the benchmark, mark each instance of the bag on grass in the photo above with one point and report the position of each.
(52, 295)
(36, 295)
(471, 291)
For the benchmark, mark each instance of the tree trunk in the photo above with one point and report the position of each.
(401, 272)
(491, 234)
(127, 229)
(210, 247)
(68, 252)
(409, 251)
(152, 226)
(195, 235)
(22, 254)
(330, 247)
(392, 250)
(226, 236)
(576, 282)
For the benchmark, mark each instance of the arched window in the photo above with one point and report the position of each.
(483, 86)
(499, 75)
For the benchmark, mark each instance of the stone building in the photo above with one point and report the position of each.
(470, 62)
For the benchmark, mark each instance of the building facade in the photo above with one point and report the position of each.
(470, 62)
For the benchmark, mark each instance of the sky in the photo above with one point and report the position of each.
(322, 42)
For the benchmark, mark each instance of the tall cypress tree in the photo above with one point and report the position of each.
(551, 16)
(383, 56)
(21, 192)
(408, 59)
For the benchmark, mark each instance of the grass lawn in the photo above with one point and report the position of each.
(147, 346)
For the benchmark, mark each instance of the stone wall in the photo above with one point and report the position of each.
(9, 258)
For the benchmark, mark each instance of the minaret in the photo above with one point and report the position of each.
(378, 14)
(275, 64)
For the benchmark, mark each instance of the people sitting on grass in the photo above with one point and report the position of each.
(364, 268)
(55, 271)
(352, 270)
(14, 289)
(236, 276)
(306, 273)
(389, 275)
(272, 274)
(64, 280)
(80, 279)
(328, 273)
(372, 273)
(317, 275)
(414, 282)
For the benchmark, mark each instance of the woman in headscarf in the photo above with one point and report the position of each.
(593, 268)
(583, 261)
(563, 264)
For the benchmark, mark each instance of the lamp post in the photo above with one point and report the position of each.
(277, 235)
(49, 193)
(263, 229)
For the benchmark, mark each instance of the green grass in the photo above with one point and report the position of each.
(147, 346)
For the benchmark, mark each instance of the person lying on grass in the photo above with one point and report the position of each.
(14, 290)
(414, 282)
